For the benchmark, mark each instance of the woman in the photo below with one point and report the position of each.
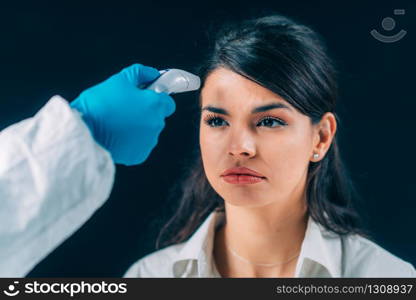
(269, 175)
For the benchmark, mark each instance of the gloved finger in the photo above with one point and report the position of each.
(139, 74)
(167, 104)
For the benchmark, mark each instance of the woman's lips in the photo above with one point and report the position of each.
(242, 175)
(242, 179)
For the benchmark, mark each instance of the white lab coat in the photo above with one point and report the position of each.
(41, 158)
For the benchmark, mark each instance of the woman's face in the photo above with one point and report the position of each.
(277, 142)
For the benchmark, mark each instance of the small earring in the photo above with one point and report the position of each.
(315, 155)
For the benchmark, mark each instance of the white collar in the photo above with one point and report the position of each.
(320, 249)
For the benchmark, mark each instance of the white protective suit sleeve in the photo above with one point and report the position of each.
(53, 177)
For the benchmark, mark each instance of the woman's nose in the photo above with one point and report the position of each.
(242, 144)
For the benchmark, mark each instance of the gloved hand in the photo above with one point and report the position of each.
(123, 118)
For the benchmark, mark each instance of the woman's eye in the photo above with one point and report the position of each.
(215, 122)
(272, 122)
(267, 121)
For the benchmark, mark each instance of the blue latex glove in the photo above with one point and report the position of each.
(123, 118)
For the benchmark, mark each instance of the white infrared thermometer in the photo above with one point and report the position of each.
(174, 81)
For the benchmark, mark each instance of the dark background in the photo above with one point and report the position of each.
(50, 48)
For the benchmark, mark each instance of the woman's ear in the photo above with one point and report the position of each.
(324, 134)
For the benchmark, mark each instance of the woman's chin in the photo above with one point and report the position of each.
(247, 202)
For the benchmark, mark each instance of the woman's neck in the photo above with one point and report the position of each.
(272, 234)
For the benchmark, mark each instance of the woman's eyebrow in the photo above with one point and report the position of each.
(258, 109)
